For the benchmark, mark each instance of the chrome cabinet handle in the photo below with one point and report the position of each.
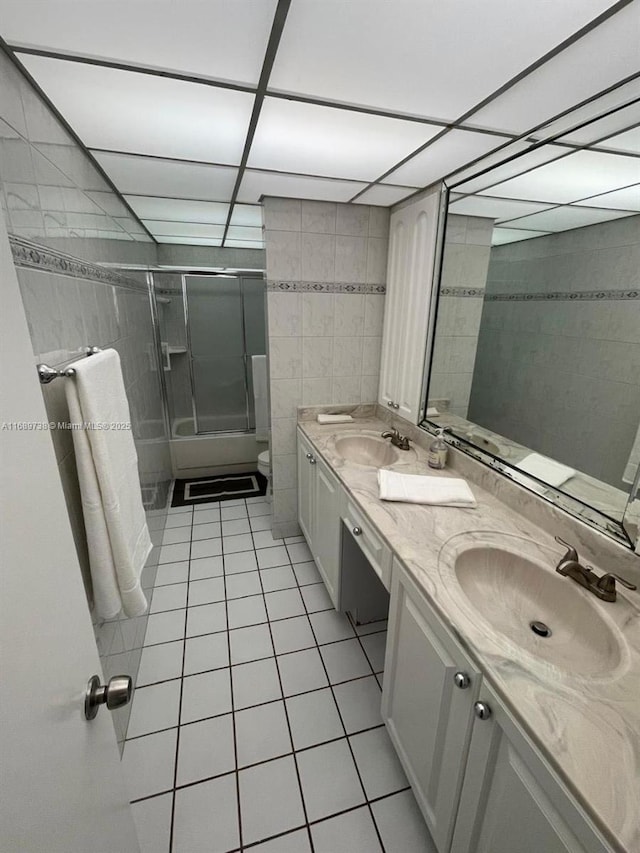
(482, 710)
(312, 461)
(390, 404)
(309, 455)
(461, 680)
(357, 531)
(115, 694)
(396, 405)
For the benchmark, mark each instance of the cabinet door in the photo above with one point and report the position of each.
(428, 717)
(327, 505)
(511, 800)
(412, 245)
(305, 490)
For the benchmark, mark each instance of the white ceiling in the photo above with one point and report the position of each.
(371, 83)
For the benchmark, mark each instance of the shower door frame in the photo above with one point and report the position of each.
(185, 304)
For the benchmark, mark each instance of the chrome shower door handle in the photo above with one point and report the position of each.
(115, 694)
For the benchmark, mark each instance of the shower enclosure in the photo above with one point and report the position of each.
(210, 326)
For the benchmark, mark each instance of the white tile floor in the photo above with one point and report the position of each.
(256, 719)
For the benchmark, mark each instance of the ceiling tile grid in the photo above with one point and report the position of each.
(199, 110)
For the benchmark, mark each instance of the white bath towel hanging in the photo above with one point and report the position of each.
(115, 522)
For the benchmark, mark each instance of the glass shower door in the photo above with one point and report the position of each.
(216, 329)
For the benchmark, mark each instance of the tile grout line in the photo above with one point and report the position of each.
(353, 758)
(286, 712)
(184, 652)
(233, 711)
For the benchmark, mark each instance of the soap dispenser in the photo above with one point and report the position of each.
(437, 457)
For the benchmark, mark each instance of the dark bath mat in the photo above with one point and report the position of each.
(223, 487)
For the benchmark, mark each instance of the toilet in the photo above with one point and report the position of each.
(264, 467)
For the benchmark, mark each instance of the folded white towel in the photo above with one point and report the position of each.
(548, 470)
(334, 419)
(416, 489)
(115, 522)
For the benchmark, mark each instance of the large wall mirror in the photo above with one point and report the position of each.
(535, 357)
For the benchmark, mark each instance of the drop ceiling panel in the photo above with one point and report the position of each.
(177, 209)
(423, 57)
(603, 130)
(244, 232)
(624, 199)
(190, 241)
(313, 140)
(244, 244)
(627, 141)
(494, 208)
(247, 214)
(256, 184)
(452, 151)
(565, 218)
(600, 59)
(150, 176)
(385, 195)
(160, 228)
(523, 163)
(513, 235)
(577, 176)
(215, 38)
(127, 111)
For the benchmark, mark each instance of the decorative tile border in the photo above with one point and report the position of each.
(28, 254)
(469, 292)
(565, 296)
(325, 287)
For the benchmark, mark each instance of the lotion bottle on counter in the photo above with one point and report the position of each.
(437, 457)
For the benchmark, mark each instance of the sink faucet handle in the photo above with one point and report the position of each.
(571, 554)
(608, 581)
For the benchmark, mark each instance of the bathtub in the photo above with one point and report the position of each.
(203, 455)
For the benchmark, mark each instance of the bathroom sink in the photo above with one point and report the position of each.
(484, 443)
(370, 450)
(545, 614)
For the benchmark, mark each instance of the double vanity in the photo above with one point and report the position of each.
(511, 693)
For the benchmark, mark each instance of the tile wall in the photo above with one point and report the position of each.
(326, 273)
(51, 194)
(462, 287)
(558, 362)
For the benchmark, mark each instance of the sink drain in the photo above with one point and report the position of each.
(540, 629)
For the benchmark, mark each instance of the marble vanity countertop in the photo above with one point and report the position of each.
(588, 727)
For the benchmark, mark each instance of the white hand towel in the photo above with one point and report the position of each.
(334, 419)
(259, 373)
(416, 489)
(548, 470)
(115, 522)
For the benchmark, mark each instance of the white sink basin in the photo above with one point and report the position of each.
(513, 593)
(370, 450)
(484, 443)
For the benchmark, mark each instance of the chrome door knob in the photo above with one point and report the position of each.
(357, 531)
(115, 694)
(482, 710)
(461, 680)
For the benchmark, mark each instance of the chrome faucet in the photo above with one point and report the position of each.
(602, 586)
(399, 441)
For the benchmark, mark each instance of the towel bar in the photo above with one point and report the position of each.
(48, 374)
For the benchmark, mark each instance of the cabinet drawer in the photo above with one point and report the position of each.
(371, 544)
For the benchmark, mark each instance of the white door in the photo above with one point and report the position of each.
(62, 789)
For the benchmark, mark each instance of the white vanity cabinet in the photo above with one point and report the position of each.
(429, 690)
(511, 799)
(481, 784)
(320, 500)
(412, 247)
